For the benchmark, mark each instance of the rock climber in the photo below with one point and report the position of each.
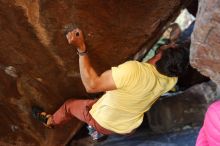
(130, 90)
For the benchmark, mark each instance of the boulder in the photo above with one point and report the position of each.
(38, 67)
(204, 51)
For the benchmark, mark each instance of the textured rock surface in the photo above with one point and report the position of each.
(205, 47)
(187, 108)
(38, 67)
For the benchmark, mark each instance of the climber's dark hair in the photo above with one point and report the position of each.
(174, 61)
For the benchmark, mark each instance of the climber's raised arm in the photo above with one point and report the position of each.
(92, 81)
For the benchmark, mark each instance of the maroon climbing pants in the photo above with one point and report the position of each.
(79, 109)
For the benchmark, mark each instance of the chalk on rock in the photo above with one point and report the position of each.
(11, 71)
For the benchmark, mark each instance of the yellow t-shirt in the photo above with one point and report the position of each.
(138, 86)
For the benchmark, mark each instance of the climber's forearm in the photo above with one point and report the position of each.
(88, 74)
(93, 82)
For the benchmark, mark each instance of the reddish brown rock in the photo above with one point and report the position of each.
(205, 47)
(38, 67)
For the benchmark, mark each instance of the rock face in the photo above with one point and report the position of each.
(187, 108)
(38, 67)
(205, 47)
